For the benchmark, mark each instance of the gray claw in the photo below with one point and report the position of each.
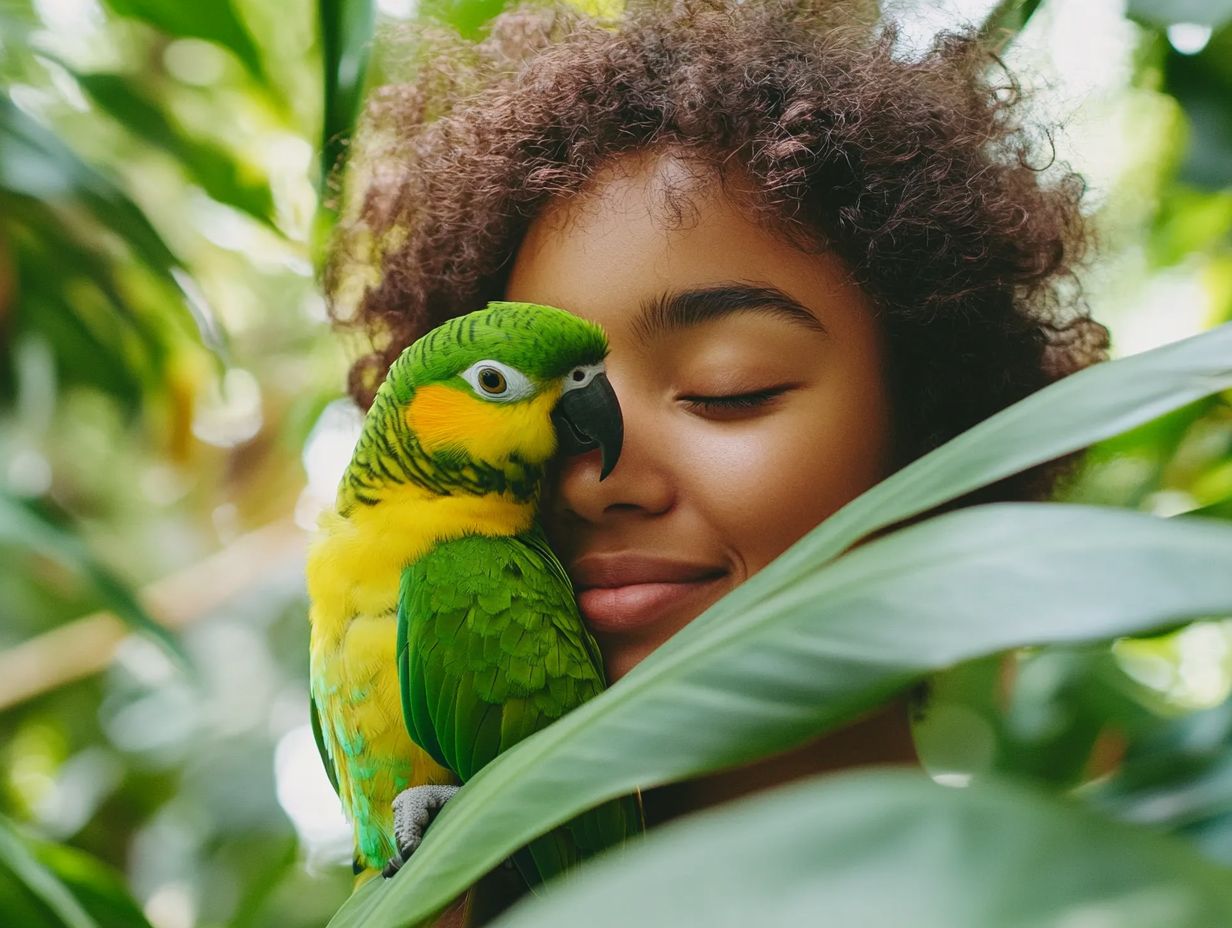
(414, 810)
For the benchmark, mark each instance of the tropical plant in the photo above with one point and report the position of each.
(127, 401)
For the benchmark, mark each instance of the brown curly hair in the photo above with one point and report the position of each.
(916, 170)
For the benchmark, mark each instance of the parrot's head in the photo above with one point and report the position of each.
(502, 390)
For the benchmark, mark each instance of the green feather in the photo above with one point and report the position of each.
(492, 649)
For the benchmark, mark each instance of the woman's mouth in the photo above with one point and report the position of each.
(622, 592)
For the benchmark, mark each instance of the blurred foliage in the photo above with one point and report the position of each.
(169, 385)
(163, 357)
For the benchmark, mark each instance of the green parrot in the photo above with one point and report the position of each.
(443, 628)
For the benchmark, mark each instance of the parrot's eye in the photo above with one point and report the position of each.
(579, 375)
(492, 381)
(498, 382)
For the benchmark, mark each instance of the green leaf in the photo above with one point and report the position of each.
(27, 529)
(214, 169)
(469, 17)
(1212, 13)
(214, 20)
(17, 864)
(891, 849)
(810, 656)
(346, 37)
(34, 164)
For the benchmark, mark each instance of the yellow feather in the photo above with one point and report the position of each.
(356, 563)
(444, 417)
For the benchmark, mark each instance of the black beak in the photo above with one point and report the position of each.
(590, 418)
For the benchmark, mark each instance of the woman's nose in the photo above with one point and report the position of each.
(640, 483)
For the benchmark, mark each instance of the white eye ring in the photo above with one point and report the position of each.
(492, 380)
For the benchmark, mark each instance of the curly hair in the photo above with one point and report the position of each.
(916, 170)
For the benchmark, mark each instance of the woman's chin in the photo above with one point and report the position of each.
(622, 655)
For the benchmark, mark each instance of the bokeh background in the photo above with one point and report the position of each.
(172, 420)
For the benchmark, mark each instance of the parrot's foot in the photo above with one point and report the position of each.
(414, 810)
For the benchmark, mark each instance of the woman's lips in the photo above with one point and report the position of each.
(618, 593)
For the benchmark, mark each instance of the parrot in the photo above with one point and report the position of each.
(443, 628)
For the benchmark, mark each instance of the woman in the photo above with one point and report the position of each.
(816, 260)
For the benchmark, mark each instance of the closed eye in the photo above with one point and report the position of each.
(731, 405)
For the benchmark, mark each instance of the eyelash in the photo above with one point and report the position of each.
(733, 402)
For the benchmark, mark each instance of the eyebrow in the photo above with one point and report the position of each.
(681, 309)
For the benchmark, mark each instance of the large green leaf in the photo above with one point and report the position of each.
(346, 37)
(812, 655)
(893, 850)
(218, 173)
(215, 21)
(27, 529)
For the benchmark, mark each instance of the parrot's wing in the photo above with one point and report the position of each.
(537, 541)
(328, 761)
(490, 648)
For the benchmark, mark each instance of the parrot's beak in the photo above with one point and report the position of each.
(589, 417)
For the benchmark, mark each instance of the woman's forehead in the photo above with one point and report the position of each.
(615, 254)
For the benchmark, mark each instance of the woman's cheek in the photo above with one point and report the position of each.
(769, 481)
(728, 478)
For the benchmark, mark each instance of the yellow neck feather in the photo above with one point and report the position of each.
(355, 565)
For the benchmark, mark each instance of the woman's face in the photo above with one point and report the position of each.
(751, 379)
